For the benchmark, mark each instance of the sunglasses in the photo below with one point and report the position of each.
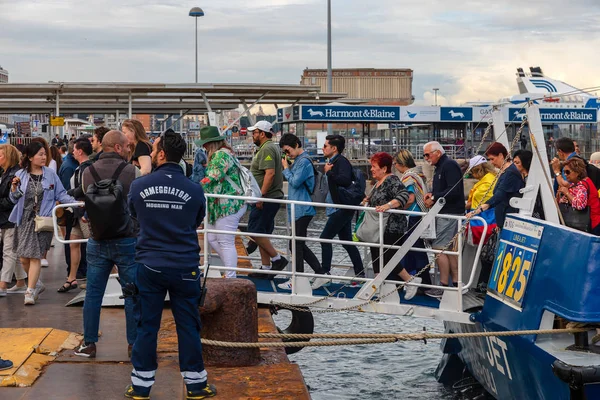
(567, 172)
(426, 155)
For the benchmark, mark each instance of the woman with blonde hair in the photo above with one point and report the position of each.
(222, 177)
(55, 159)
(140, 145)
(413, 179)
(9, 162)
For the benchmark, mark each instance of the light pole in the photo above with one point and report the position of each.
(435, 90)
(196, 12)
(329, 70)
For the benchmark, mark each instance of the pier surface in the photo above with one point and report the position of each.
(34, 334)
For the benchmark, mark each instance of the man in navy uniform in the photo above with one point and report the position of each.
(168, 207)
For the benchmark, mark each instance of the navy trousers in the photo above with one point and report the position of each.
(183, 286)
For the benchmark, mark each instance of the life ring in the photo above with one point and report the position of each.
(302, 322)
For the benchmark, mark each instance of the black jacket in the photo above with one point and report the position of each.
(339, 175)
(447, 182)
(6, 205)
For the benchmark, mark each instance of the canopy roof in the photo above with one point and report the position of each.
(151, 98)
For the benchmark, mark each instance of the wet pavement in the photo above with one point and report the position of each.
(106, 376)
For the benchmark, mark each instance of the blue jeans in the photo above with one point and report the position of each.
(101, 256)
(183, 286)
(340, 224)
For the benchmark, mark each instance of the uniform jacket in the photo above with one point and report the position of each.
(169, 207)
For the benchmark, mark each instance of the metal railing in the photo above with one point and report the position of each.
(373, 285)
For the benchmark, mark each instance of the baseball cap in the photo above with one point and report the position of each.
(475, 161)
(264, 126)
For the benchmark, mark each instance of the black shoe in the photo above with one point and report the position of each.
(279, 265)
(86, 350)
(208, 391)
(252, 246)
(130, 393)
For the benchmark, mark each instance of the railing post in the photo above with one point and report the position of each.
(294, 266)
(459, 246)
(206, 249)
(381, 249)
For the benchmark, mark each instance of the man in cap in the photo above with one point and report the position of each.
(267, 170)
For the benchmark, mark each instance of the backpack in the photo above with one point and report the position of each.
(319, 192)
(249, 187)
(354, 194)
(106, 206)
(592, 171)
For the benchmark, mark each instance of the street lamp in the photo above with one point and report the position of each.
(435, 90)
(196, 12)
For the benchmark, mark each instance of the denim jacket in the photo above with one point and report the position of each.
(199, 167)
(300, 177)
(53, 192)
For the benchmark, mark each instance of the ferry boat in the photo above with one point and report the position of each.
(544, 275)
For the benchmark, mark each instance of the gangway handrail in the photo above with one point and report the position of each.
(293, 273)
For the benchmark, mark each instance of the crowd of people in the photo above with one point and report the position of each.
(154, 256)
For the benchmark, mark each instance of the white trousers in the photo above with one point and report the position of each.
(223, 244)
(10, 264)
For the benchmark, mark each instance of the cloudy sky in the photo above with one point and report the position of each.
(467, 48)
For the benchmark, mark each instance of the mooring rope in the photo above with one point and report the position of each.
(374, 338)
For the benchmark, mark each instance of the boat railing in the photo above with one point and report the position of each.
(452, 303)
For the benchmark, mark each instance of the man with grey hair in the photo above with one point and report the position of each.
(447, 183)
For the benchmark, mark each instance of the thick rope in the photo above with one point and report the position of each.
(375, 338)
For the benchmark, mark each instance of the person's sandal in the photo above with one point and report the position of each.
(69, 285)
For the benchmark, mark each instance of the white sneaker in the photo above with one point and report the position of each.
(287, 285)
(320, 282)
(3, 292)
(17, 289)
(411, 291)
(44, 263)
(29, 297)
(39, 289)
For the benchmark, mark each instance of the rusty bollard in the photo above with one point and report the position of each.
(230, 314)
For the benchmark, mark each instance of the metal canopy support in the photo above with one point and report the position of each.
(206, 102)
(130, 106)
(246, 111)
(57, 112)
(371, 287)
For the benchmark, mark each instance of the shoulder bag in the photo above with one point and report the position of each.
(368, 230)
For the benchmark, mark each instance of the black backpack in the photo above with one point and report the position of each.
(354, 194)
(106, 207)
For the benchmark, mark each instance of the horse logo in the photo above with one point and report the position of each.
(454, 114)
(520, 115)
(314, 113)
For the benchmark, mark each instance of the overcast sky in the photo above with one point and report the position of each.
(467, 48)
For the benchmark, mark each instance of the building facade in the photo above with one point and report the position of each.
(371, 85)
(4, 119)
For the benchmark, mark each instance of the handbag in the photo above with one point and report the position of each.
(576, 219)
(367, 226)
(86, 230)
(488, 251)
(44, 224)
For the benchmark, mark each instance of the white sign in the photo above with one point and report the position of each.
(482, 114)
(419, 114)
(321, 142)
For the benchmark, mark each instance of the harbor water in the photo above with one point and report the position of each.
(378, 371)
